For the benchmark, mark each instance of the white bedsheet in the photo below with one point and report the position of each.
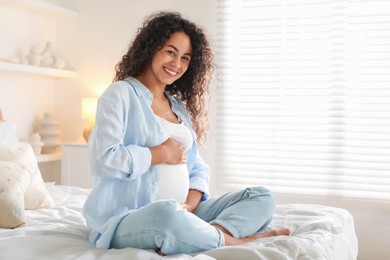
(318, 232)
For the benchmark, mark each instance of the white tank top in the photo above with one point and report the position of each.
(174, 179)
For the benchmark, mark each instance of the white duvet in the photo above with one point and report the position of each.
(318, 232)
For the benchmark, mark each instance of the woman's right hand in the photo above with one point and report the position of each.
(175, 153)
(170, 152)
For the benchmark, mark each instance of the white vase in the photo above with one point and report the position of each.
(50, 133)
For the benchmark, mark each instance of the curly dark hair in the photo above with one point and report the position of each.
(192, 86)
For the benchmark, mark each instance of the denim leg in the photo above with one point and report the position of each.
(166, 225)
(241, 213)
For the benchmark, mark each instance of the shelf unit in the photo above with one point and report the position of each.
(47, 9)
(41, 7)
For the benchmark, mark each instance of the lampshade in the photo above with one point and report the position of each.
(88, 111)
(88, 108)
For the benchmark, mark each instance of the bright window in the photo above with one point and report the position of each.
(304, 100)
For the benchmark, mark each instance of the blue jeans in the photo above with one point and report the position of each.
(166, 225)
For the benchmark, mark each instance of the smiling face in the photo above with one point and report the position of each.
(171, 61)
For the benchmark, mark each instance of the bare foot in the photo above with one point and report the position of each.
(270, 233)
(229, 240)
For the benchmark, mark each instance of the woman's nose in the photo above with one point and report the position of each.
(176, 61)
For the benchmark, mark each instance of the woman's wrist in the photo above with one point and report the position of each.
(158, 154)
(193, 199)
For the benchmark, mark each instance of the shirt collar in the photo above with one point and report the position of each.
(139, 88)
(172, 100)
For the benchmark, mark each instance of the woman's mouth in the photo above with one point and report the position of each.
(171, 72)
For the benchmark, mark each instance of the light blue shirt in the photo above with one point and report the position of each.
(120, 159)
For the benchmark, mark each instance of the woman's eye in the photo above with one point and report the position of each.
(171, 53)
(185, 58)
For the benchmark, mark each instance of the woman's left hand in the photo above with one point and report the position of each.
(189, 208)
(193, 199)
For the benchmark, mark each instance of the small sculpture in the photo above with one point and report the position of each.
(50, 58)
(22, 56)
(34, 57)
(47, 55)
(50, 133)
(36, 143)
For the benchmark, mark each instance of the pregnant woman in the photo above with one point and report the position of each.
(151, 188)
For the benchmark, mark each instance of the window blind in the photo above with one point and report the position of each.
(303, 105)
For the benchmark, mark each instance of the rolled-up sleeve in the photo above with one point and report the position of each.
(111, 153)
(200, 176)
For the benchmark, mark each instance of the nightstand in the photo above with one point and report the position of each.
(50, 167)
(74, 165)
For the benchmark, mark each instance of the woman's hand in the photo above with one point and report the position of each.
(174, 151)
(170, 152)
(192, 201)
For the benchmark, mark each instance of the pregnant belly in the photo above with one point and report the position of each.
(174, 182)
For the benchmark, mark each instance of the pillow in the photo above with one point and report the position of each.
(14, 180)
(36, 194)
(8, 131)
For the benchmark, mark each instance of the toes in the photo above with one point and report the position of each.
(283, 231)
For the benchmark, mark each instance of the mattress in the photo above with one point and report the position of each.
(318, 232)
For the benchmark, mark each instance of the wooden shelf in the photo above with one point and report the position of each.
(48, 157)
(15, 67)
(41, 7)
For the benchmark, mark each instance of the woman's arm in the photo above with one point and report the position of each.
(199, 174)
(192, 201)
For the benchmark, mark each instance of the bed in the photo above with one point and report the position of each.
(60, 232)
(41, 220)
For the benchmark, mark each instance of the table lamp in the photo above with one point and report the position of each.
(88, 111)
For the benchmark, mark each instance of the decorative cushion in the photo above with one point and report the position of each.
(36, 194)
(14, 180)
(8, 131)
